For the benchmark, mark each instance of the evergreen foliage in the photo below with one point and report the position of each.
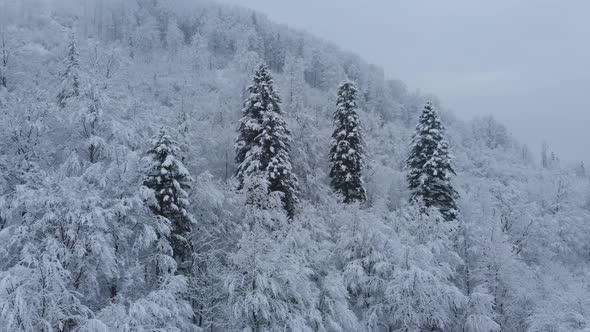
(70, 78)
(263, 143)
(170, 180)
(91, 239)
(429, 166)
(346, 153)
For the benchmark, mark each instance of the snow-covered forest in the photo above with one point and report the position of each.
(181, 165)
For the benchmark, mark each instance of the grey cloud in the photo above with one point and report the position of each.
(525, 62)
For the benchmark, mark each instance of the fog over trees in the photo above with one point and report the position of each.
(176, 165)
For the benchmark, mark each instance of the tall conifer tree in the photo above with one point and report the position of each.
(70, 78)
(429, 166)
(347, 152)
(3, 60)
(263, 143)
(169, 179)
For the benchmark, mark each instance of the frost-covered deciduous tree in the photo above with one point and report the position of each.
(170, 180)
(429, 166)
(581, 170)
(295, 84)
(59, 250)
(268, 286)
(174, 36)
(420, 294)
(315, 234)
(490, 132)
(365, 250)
(200, 54)
(79, 253)
(493, 266)
(263, 143)
(347, 150)
(94, 127)
(480, 312)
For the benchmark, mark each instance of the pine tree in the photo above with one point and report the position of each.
(263, 143)
(347, 152)
(3, 61)
(70, 78)
(169, 180)
(429, 166)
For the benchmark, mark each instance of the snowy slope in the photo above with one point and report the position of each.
(79, 243)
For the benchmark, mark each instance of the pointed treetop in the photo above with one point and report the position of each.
(263, 143)
(429, 166)
(347, 151)
(347, 92)
(70, 77)
(170, 181)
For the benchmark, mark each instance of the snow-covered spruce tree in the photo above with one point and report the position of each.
(169, 180)
(263, 143)
(429, 166)
(346, 153)
(70, 78)
(3, 61)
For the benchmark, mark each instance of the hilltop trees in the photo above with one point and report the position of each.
(429, 166)
(263, 143)
(346, 153)
(93, 240)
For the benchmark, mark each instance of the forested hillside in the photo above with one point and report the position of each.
(154, 176)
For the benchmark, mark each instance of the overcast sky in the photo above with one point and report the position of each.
(527, 62)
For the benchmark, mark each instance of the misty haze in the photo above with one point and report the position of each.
(263, 165)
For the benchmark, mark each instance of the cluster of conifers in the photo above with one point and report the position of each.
(263, 146)
(263, 152)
